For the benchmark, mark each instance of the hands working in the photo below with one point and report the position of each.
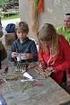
(22, 56)
(14, 54)
(45, 71)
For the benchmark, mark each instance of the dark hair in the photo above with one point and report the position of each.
(23, 26)
(67, 14)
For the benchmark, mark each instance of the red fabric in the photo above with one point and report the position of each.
(62, 61)
(41, 6)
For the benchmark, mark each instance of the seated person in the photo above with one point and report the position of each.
(23, 45)
(3, 53)
(65, 29)
(54, 52)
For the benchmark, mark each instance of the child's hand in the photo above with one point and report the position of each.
(26, 56)
(14, 54)
(29, 56)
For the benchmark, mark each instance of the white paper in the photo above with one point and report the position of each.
(27, 75)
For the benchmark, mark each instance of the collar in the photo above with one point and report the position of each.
(66, 29)
(24, 41)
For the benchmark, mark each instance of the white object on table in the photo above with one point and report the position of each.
(27, 75)
(18, 58)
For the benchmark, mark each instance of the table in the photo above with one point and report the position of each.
(39, 92)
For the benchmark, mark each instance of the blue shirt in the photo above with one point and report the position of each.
(28, 46)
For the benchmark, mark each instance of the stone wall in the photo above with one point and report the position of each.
(53, 13)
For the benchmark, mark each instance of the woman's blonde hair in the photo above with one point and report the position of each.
(48, 33)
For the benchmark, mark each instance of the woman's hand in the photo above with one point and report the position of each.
(46, 72)
(42, 65)
(49, 71)
(51, 60)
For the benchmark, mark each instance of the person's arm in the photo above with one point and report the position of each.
(66, 51)
(12, 52)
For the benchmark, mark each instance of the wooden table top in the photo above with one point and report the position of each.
(38, 92)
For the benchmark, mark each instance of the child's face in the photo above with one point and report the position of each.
(21, 34)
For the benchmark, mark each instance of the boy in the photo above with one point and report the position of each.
(23, 45)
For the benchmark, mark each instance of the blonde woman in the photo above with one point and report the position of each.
(54, 52)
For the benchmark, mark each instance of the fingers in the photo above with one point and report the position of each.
(44, 72)
(29, 56)
(22, 55)
(48, 71)
(51, 60)
(14, 54)
(26, 56)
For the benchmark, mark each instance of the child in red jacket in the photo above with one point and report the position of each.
(54, 52)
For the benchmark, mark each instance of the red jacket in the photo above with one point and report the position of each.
(62, 61)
